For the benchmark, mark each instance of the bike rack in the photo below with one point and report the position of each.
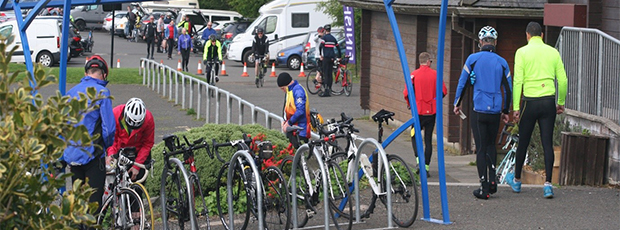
(192, 218)
(259, 184)
(386, 166)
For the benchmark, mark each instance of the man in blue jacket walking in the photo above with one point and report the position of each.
(488, 74)
(88, 162)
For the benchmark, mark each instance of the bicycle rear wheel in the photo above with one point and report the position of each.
(175, 195)
(240, 198)
(148, 206)
(348, 85)
(286, 167)
(404, 192)
(123, 211)
(337, 84)
(312, 85)
(276, 207)
(339, 192)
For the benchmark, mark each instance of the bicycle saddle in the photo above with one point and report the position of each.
(293, 128)
(383, 115)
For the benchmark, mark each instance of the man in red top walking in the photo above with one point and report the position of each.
(134, 128)
(424, 81)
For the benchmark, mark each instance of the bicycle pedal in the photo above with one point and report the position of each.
(310, 213)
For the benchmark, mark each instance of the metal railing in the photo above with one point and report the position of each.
(184, 89)
(591, 59)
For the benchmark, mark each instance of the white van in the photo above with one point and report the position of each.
(286, 22)
(182, 4)
(210, 15)
(44, 36)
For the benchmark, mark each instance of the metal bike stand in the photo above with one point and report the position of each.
(259, 184)
(294, 187)
(383, 157)
(192, 218)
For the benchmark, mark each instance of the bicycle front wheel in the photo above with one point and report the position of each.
(312, 85)
(275, 199)
(148, 206)
(337, 84)
(339, 192)
(123, 211)
(404, 192)
(175, 196)
(240, 199)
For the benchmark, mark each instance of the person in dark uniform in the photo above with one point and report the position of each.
(150, 37)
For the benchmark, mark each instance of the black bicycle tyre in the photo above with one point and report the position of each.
(202, 214)
(102, 219)
(337, 87)
(310, 85)
(174, 196)
(398, 178)
(276, 198)
(222, 210)
(340, 192)
(349, 85)
(286, 168)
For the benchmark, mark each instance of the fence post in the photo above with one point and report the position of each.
(191, 92)
(199, 100)
(217, 106)
(240, 112)
(170, 85)
(228, 108)
(183, 92)
(165, 74)
(599, 81)
(579, 75)
(208, 109)
(176, 87)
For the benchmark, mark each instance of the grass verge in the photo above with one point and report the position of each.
(74, 74)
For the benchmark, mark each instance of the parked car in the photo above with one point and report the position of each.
(120, 21)
(232, 29)
(290, 56)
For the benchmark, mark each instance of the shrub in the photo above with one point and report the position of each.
(30, 130)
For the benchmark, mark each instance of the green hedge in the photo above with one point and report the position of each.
(208, 168)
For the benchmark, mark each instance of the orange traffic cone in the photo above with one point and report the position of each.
(179, 68)
(223, 72)
(199, 68)
(161, 62)
(273, 70)
(118, 63)
(86, 61)
(245, 70)
(301, 71)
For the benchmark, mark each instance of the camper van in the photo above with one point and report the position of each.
(286, 22)
(183, 4)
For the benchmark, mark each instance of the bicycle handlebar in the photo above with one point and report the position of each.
(245, 141)
(184, 148)
(124, 161)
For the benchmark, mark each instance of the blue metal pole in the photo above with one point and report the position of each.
(64, 47)
(412, 102)
(440, 151)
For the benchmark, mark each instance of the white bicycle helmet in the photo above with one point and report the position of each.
(487, 32)
(135, 111)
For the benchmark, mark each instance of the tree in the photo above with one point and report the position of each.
(246, 8)
(30, 135)
(214, 4)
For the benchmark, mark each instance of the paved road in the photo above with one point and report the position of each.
(574, 207)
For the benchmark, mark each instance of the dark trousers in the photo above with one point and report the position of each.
(484, 127)
(95, 172)
(328, 65)
(427, 123)
(208, 71)
(150, 45)
(160, 35)
(185, 60)
(543, 111)
(296, 139)
(170, 46)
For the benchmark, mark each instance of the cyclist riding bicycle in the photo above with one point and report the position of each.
(134, 128)
(212, 53)
(296, 108)
(260, 48)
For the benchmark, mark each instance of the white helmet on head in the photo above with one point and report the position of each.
(487, 32)
(134, 111)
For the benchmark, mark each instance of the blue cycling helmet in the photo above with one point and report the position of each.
(487, 32)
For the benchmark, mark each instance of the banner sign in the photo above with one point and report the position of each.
(349, 33)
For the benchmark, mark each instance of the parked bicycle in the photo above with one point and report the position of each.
(404, 191)
(276, 211)
(309, 181)
(182, 197)
(342, 79)
(124, 208)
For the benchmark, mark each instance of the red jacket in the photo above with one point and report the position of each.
(424, 82)
(142, 138)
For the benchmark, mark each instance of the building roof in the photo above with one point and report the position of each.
(462, 8)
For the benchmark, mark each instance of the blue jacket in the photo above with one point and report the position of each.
(185, 42)
(76, 155)
(167, 32)
(296, 108)
(491, 75)
(207, 32)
